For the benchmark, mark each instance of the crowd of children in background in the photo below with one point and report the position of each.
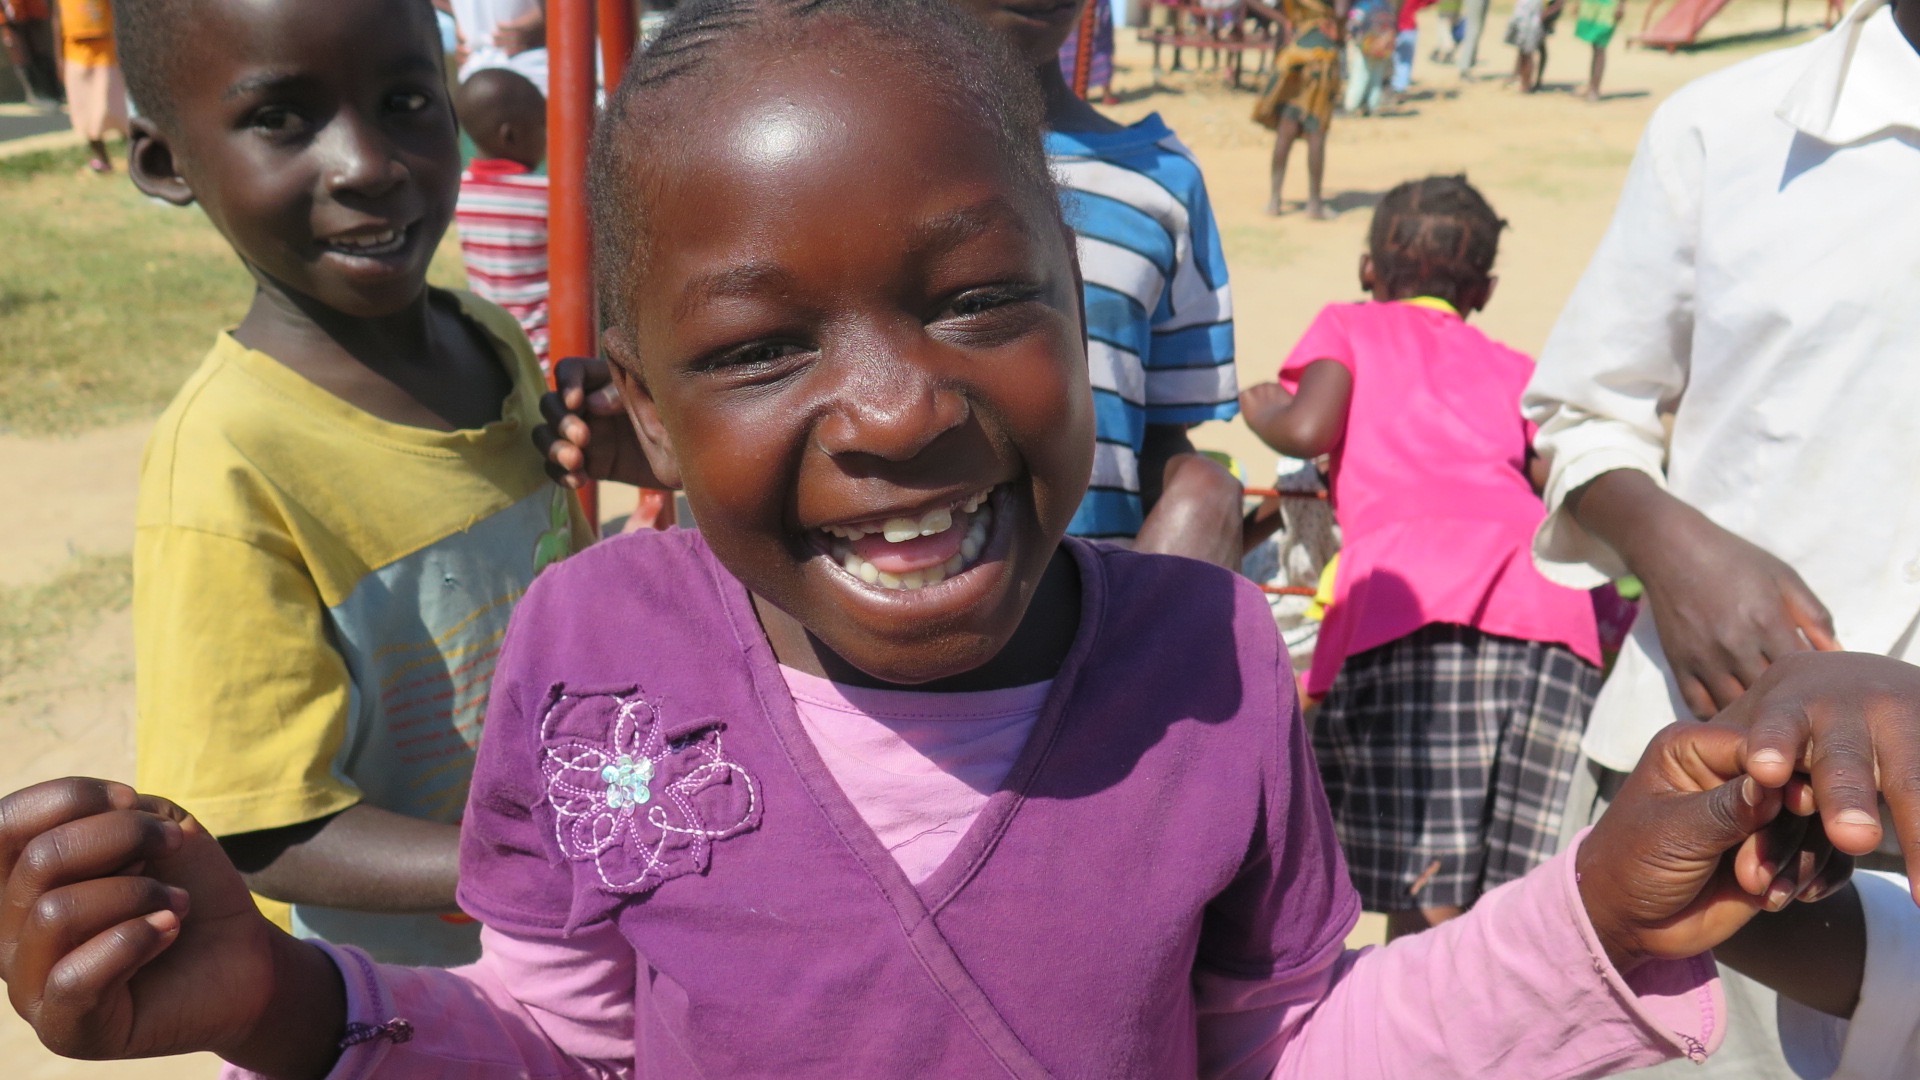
(841, 782)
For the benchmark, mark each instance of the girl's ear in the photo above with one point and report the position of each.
(152, 164)
(1477, 299)
(1368, 279)
(622, 363)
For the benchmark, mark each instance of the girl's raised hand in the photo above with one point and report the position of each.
(125, 932)
(1692, 848)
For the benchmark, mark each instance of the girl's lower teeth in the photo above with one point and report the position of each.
(970, 547)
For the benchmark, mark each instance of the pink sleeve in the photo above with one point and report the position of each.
(1519, 986)
(1326, 339)
(569, 1012)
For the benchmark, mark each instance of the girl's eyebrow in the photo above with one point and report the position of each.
(733, 282)
(955, 227)
(261, 81)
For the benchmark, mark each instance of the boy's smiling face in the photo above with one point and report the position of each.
(861, 349)
(319, 139)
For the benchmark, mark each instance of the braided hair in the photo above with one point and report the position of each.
(1434, 237)
(711, 47)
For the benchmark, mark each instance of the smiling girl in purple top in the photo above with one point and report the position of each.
(846, 321)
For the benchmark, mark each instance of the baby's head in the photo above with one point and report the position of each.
(844, 312)
(317, 136)
(1434, 237)
(1035, 28)
(505, 115)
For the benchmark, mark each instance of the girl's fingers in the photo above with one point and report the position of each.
(27, 813)
(67, 918)
(98, 846)
(72, 1018)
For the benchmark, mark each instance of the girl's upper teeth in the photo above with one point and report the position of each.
(900, 529)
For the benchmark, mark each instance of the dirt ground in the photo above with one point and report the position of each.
(1551, 164)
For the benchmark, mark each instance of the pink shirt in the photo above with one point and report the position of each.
(1519, 986)
(1430, 488)
(918, 767)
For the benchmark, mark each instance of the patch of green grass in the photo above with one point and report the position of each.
(109, 300)
(38, 620)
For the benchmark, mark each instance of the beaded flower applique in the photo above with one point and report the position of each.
(642, 801)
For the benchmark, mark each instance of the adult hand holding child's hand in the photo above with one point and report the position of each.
(126, 932)
(1659, 873)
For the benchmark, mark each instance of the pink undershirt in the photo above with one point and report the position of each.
(919, 767)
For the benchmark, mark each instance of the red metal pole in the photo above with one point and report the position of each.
(618, 32)
(1083, 51)
(569, 240)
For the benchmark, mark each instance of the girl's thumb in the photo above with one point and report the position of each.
(1708, 824)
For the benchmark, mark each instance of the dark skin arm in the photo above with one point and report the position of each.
(1163, 443)
(1309, 423)
(363, 859)
(1815, 954)
(1725, 608)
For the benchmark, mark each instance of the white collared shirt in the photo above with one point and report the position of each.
(1761, 283)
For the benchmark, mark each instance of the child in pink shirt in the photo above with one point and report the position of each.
(1457, 679)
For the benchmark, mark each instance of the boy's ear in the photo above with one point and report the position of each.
(621, 363)
(152, 165)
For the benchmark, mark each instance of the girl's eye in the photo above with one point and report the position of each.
(751, 359)
(409, 102)
(981, 301)
(277, 120)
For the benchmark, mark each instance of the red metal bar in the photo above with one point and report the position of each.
(1289, 590)
(569, 240)
(618, 32)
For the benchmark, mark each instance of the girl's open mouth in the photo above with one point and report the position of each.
(903, 554)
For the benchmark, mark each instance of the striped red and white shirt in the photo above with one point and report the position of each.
(502, 216)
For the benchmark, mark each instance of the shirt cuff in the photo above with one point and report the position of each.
(1679, 1001)
(372, 1029)
(1563, 550)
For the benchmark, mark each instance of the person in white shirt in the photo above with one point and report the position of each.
(1728, 400)
(508, 34)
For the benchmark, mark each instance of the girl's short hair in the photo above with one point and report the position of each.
(1434, 237)
(708, 44)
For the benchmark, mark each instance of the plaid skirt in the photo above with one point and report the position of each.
(1447, 756)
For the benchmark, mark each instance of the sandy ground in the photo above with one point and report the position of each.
(1551, 164)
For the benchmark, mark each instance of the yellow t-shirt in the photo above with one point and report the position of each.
(319, 597)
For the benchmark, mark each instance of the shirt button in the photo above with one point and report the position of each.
(1912, 571)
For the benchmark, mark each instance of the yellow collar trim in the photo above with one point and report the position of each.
(1433, 302)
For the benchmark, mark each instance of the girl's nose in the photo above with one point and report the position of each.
(360, 159)
(891, 409)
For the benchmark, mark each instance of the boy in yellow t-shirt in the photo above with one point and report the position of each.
(340, 508)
